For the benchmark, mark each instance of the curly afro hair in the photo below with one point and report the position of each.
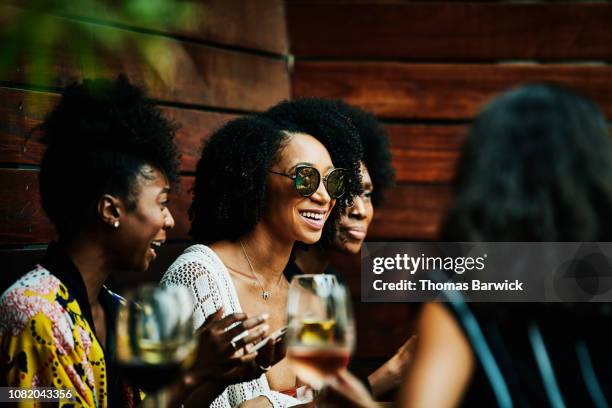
(230, 182)
(231, 176)
(98, 138)
(343, 123)
(375, 144)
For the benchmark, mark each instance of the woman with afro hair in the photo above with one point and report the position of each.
(260, 188)
(377, 175)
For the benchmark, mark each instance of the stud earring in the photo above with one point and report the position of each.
(116, 224)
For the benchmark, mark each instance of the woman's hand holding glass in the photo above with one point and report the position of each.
(224, 357)
(223, 352)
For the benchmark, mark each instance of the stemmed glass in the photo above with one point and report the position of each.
(155, 338)
(321, 331)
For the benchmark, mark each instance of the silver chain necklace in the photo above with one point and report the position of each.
(264, 293)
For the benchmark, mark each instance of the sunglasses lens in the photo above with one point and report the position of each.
(307, 180)
(336, 183)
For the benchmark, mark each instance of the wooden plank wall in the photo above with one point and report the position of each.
(425, 69)
(225, 65)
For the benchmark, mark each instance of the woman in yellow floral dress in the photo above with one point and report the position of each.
(104, 183)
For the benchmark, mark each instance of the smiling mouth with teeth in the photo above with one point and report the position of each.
(311, 215)
(156, 244)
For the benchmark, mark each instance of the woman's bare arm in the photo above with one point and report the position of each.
(443, 362)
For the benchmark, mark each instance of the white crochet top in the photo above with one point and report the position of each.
(200, 270)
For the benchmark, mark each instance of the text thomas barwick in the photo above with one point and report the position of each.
(429, 285)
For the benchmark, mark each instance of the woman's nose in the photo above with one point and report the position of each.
(169, 220)
(321, 195)
(357, 210)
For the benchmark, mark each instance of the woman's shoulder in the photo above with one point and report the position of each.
(196, 260)
(38, 291)
(38, 282)
(199, 269)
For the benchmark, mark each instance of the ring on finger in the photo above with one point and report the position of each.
(237, 338)
(264, 369)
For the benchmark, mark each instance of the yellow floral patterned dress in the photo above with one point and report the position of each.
(46, 342)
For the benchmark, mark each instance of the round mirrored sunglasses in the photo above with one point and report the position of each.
(306, 180)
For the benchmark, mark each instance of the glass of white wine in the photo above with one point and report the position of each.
(321, 331)
(155, 339)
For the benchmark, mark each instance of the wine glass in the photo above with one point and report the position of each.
(321, 332)
(155, 338)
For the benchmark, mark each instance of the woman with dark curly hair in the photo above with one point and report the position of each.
(104, 183)
(260, 188)
(537, 166)
(318, 115)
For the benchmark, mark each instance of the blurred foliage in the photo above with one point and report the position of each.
(38, 38)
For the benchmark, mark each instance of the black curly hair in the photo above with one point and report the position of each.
(231, 177)
(537, 166)
(98, 138)
(229, 189)
(375, 144)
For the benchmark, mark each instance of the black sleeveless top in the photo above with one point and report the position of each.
(536, 354)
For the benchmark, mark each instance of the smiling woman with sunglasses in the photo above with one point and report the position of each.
(260, 188)
(312, 115)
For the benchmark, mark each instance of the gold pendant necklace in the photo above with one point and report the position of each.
(264, 293)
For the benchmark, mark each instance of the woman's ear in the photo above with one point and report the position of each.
(109, 209)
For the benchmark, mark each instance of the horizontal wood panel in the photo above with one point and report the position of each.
(195, 128)
(411, 212)
(170, 70)
(21, 111)
(21, 215)
(425, 154)
(451, 30)
(438, 91)
(231, 22)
